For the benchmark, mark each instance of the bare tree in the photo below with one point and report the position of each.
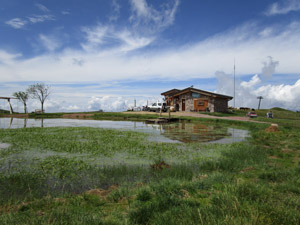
(22, 97)
(39, 91)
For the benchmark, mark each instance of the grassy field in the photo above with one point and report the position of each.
(88, 115)
(102, 176)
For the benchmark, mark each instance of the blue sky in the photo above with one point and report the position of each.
(106, 53)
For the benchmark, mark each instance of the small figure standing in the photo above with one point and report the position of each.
(270, 114)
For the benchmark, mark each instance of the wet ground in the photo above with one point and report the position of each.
(4, 145)
(172, 132)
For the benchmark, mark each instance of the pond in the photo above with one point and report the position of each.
(183, 132)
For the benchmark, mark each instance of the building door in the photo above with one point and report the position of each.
(183, 104)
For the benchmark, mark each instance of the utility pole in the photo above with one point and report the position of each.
(260, 98)
(234, 84)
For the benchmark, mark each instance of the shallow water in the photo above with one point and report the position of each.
(4, 145)
(169, 133)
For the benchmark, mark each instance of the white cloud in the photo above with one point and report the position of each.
(109, 55)
(283, 8)
(266, 32)
(198, 60)
(253, 82)
(49, 42)
(7, 58)
(16, 23)
(246, 93)
(72, 108)
(40, 18)
(116, 11)
(131, 42)
(108, 103)
(65, 12)
(285, 96)
(94, 36)
(52, 105)
(150, 20)
(141, 8)
(78, 62)
(19, 23)
(42, 7)
(120, 40)
(269, 68)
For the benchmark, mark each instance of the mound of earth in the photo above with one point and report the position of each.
(160, 165)
(272, 128)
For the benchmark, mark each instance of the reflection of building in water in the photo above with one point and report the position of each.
(193, 132)
(190, 132)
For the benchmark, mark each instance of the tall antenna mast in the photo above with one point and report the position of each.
(234, 83)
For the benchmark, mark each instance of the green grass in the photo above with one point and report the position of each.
(45, 115)
(285, 118)
(92, 115)
(3, 111)
(124, 116)
(99, 176)
(225, 114)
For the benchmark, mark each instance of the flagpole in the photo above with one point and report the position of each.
(234, 83)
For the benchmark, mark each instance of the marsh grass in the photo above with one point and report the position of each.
(253, 182)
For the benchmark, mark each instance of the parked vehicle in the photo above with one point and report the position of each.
(156, 107)
(251, 114)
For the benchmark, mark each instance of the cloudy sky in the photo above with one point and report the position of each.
(103, 54)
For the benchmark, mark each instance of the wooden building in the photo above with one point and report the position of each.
(192, 99)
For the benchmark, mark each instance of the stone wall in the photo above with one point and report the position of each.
(221, 105)
(189, 104)
(211, 104)
(214, 104)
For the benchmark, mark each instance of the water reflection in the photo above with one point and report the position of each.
(173, 132)
(198, 132)
(193, 132)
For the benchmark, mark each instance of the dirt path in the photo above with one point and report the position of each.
(78, 115)
(199, 115)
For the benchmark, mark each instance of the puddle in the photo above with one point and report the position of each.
(168, 133)
(236, 135)
(4, 145)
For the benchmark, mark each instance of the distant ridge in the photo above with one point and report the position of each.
(280, 109)
(4, 111)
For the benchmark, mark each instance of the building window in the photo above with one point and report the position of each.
(200, 103)
(196, 95)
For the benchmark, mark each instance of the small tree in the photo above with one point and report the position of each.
(22, 97)
(39, 91)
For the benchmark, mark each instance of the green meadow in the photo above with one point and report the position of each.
(106, 176)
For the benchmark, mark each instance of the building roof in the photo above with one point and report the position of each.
(170, 92)
(190, 89)
(7, 98)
